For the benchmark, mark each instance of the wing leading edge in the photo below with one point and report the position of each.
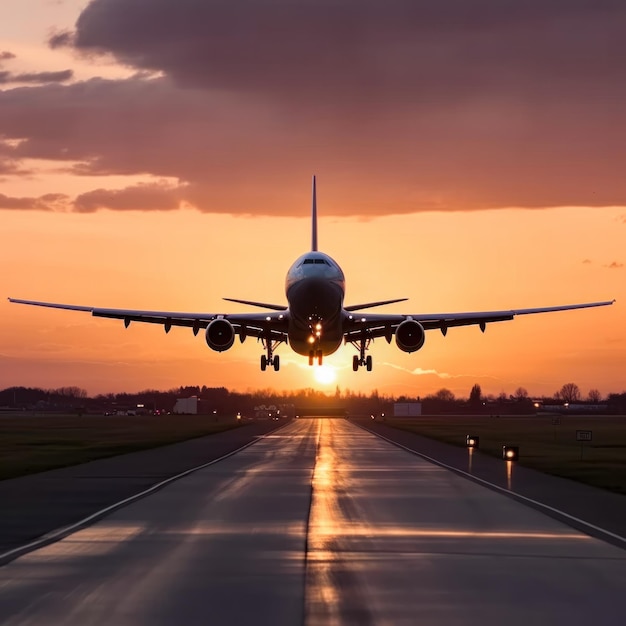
(268, 323)
(381, 325)
(274, 323)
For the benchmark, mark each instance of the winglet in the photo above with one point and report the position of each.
(314, 220)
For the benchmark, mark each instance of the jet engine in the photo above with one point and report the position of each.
(410, 336)
(220, 335)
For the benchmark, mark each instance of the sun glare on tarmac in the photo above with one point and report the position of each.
(325, 374)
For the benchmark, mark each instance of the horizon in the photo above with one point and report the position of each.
(456, 166)
(442, 394)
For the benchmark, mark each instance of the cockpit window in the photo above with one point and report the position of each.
(315, 262)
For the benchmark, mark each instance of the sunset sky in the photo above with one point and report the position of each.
(158, 154)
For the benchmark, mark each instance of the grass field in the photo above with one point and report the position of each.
(543, 445)
(30, 444)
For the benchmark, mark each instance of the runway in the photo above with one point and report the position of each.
(320, 523)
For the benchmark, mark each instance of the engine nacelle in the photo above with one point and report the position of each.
(220, 335)
(410, 336)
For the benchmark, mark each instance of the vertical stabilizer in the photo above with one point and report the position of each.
(314, 219)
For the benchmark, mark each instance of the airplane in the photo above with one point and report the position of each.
(315, 321)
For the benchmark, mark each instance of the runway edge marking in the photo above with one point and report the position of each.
(613, 538)
(61, 533)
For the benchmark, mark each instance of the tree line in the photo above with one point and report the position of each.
(222, 400)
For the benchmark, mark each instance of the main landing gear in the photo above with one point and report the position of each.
(271, 359)
(315, 354)
(274, 361)
(361, 345)
(357, 362)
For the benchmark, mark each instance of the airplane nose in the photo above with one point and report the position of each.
(315, 297)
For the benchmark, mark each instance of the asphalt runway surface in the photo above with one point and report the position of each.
(320, 522)
(33, 505)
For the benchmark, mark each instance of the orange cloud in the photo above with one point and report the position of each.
(48, 202)
(154, 197)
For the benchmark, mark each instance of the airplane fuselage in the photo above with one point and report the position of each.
(315, 288)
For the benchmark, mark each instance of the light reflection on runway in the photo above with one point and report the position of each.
(386, 538)
(395, 540)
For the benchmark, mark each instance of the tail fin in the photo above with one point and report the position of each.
(314, 220)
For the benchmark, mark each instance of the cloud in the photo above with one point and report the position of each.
(47, 202)
(587, 261)
(36, 77)
(61, 39)
(418, 371)
(614, 265)
(153, 196)
(6, 56)
(408, 48)
(453, 105)
(12, 168)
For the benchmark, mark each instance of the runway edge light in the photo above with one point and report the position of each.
(472, 441)
(510, 453)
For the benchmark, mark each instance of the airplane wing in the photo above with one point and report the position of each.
(381, 325)
(269, 324)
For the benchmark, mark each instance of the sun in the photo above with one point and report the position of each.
(325, 374)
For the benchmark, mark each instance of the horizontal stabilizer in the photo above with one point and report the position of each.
(262, 305)
(370, 305)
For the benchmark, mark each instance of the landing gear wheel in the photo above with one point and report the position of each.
(311, 357)
(276, 363)
(263, 362)
(355, 363)
(319, 357)
(368, 363)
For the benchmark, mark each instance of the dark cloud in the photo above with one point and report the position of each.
(398, 51)
(36, 77)
(61, 39)
(454, 105)
(47, 202)
(6, 56)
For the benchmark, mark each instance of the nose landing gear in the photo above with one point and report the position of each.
(315, 354)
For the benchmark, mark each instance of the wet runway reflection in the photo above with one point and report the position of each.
(322, 523)
(395, 540)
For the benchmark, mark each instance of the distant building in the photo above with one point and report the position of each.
(407, 409)
(187, 406)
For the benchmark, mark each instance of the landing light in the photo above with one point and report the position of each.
(318, 326)
(510, 453)
(311, 339)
